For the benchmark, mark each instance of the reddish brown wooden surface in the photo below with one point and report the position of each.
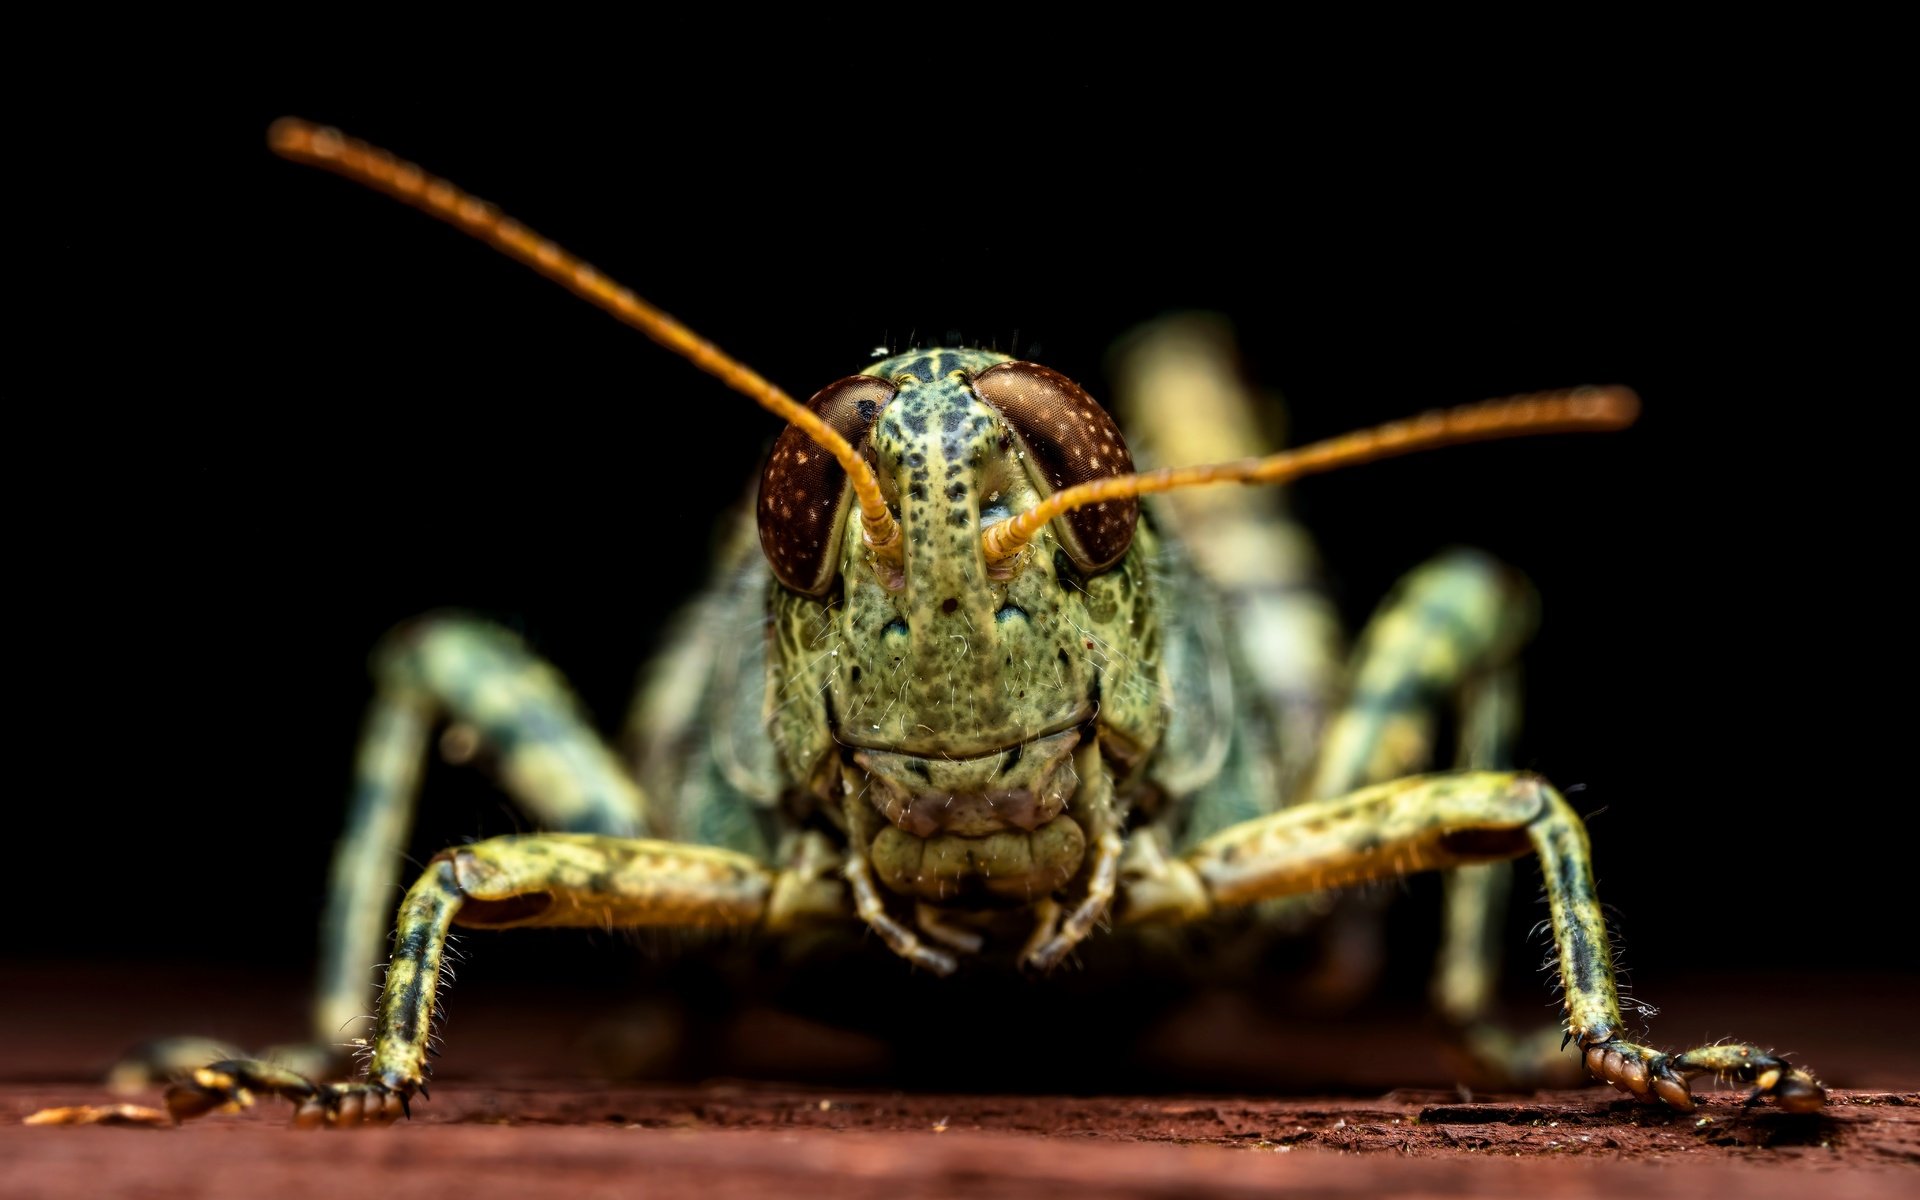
(574, 1141)
(493, 1128)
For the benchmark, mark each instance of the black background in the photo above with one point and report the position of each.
(269, 414)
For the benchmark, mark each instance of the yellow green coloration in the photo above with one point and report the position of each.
(943, 752)
(962, 697)
(947, 746)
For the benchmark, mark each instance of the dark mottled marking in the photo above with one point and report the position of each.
(413, 945)
(915, 419)
(950, 420)
(867, 410)
(1061, 654)
(1007, 612)
(1064, 570)
(949, 604)
(1586, 965)
(853, 676)
(897, 625)
(957, 490)
(1572, 880)
(410, 1001)
(959, 518)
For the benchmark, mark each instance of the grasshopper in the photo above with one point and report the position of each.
(997, 704)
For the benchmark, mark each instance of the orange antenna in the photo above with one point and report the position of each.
(1579, 410)
(305, 142)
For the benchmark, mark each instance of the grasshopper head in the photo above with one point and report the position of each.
(960, 693)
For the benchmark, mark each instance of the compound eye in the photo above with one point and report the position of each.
(804, 492)
(1067, 439)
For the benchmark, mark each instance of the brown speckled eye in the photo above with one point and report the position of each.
(803, 491)
(1068, 439)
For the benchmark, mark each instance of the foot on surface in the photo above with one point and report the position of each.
(233, 1084)
(1646, 1072)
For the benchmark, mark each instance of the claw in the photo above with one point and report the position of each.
(1669, 1086)
(232, 1084)
(1773, 1077)
(1792, 1089)
(1674, 1094)
(1639, 1071)
(1633, 1076)
(1799, 1092)
(355, 1104)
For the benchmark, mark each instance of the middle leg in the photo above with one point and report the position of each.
(1447, 633)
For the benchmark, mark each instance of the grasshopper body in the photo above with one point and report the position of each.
(966, 694)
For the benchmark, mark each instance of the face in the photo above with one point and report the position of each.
(958, 703)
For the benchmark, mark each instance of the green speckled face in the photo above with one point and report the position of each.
(959, 696)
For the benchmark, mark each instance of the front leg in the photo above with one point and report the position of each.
(581, 880)
(1430, 822)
